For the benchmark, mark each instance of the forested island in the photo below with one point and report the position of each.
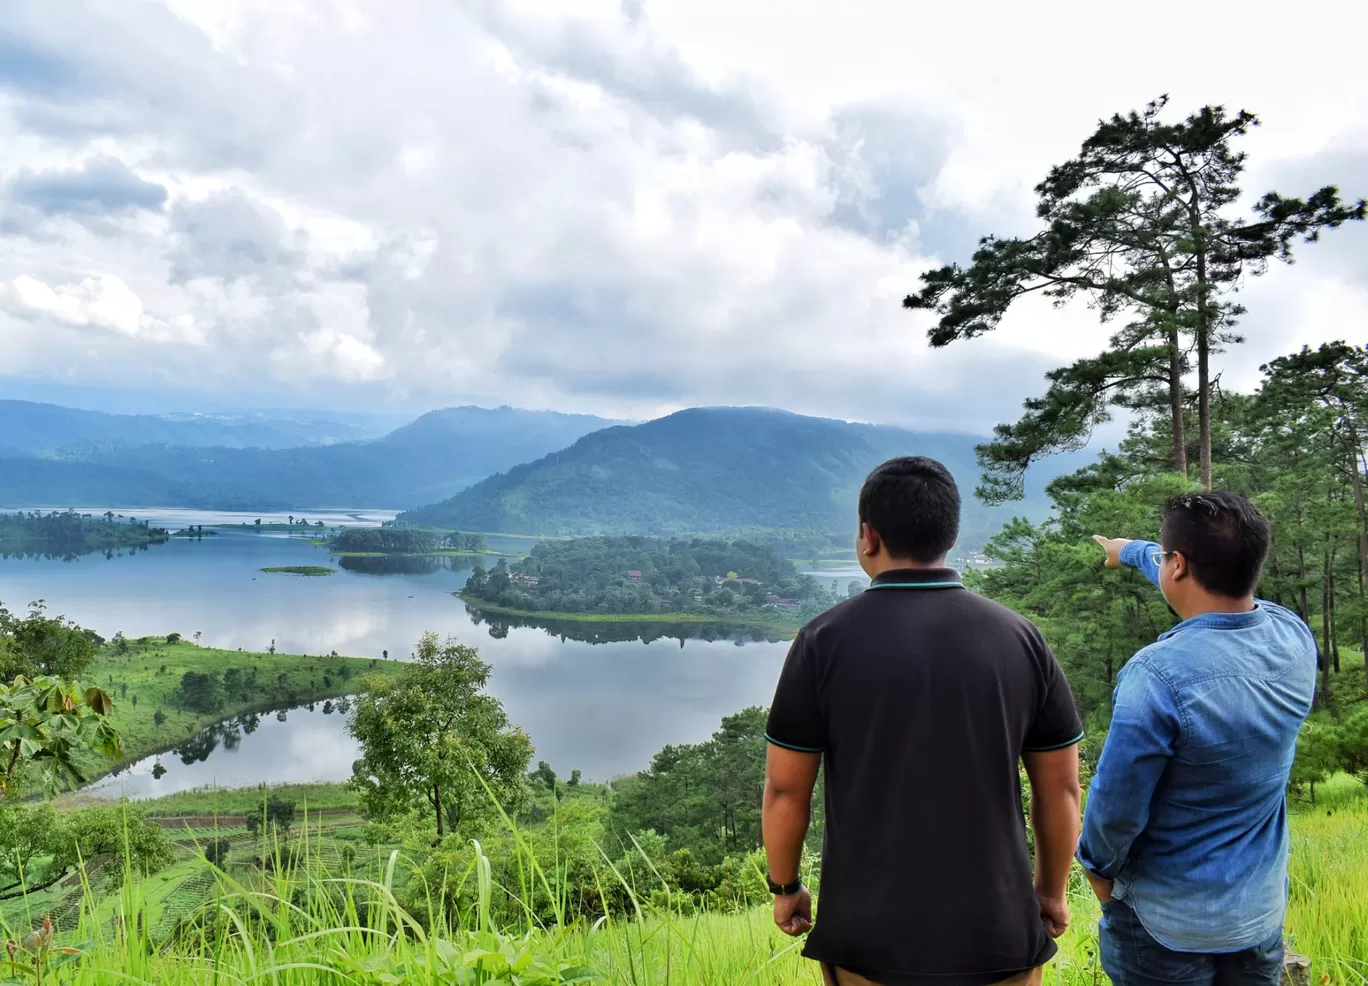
(405, 541)
(644, 578)
(66, 533)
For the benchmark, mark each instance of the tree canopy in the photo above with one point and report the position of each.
(432, 740)
(1142, 223)
(651, 576)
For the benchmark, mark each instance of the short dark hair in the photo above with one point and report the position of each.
(1223, 537)
(914, 505)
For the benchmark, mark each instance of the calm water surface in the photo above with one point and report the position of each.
(309, 743)
(602, 707)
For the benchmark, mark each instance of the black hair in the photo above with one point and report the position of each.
(1223, 537)
(914, 505)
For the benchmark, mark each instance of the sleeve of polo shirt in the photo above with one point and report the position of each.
(1056, 723)
(795, 721)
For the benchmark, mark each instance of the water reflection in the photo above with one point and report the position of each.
(499, 624)
(403, 564)
(37, 551)
(303, 743)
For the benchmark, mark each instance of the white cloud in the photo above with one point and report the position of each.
(328, 353)
(102, 301)
(614, 207)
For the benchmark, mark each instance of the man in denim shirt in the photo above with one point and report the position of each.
(1185, 834)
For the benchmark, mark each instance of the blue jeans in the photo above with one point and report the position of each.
(1131, 957)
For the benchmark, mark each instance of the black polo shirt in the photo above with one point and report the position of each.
(921, 697)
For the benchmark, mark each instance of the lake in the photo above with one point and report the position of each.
(288, 746)
(603, 705)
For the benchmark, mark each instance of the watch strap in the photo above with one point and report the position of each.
(784, 889)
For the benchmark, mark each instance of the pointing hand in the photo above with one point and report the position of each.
(1112, 546)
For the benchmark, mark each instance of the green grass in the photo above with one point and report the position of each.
(323, 923)
(237, 801)
(309, 570)
(151, 669)
(789, 624)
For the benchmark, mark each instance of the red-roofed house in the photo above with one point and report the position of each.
(634, 576)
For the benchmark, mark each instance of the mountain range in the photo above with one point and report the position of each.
(27, 427)
(701, 470)
(719, 469)
(84, 457)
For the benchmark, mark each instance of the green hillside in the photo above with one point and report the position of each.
(712, 470)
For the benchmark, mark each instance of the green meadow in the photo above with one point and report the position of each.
(320, 906)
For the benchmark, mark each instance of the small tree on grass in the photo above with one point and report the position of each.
(173, 638)
(545, 774)
(432, 739)
(200, 691)
(278, 814)
(216, 851)
(159, 718)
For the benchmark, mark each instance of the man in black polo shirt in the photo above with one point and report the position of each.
(921, 698)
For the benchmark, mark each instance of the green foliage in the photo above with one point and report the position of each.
(431, 738)
(484, 958)
(386, 540)
(705, 797)
(276, 812)
(1051, 573)
(44, 722)
(309, 570)
(648, 576)
(67, 534)
(545, 774)
(1138, 222)
(44, 846)
(462, 541)
(216, 851)
(43, 645)
(200, 692)
(245, 681)
(1295, 445)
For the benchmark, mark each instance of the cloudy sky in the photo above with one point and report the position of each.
(616, 206)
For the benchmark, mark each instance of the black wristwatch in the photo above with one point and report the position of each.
(784, 889)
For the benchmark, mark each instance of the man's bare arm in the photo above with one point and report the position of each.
(1056, 820)
(790, 777)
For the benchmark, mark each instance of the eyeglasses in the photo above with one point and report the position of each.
(1157, 556)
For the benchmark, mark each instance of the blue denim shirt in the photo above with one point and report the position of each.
(1187, 811)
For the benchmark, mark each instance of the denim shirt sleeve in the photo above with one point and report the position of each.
(1140, 556)
(1145, 731)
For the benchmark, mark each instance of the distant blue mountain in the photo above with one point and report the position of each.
(57, 456)
(719, 469)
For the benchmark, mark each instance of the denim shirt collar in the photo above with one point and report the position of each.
(1221, 621)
